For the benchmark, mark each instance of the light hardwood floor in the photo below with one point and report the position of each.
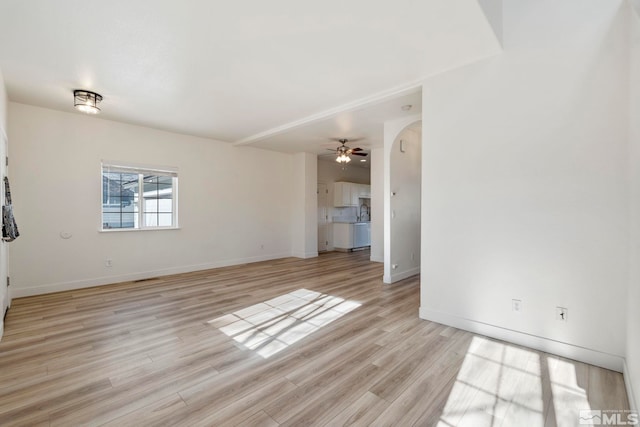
(288, 342)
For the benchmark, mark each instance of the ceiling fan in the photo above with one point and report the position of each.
(344, 153)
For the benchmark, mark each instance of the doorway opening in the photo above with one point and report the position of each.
(323, 217)
(344, 206)
(403, 212)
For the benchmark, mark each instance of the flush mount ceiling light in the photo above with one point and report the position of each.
(86, 101)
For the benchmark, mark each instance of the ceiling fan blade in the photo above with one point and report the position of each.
(356, 149)
(360, 154)
(346, 140)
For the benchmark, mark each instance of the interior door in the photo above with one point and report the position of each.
(323, 217)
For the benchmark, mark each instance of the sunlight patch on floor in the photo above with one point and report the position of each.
(497, 384)
(271, 326)
(569, 397)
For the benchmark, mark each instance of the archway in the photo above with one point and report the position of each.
(402, 200)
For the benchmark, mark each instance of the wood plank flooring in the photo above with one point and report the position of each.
(289, 342)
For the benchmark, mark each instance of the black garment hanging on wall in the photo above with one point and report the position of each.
(9, 227)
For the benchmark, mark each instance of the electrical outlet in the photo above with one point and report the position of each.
(108, 262)
(516, 305)
(413, 256)
(562, 314)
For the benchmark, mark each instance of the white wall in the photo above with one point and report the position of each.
(493, 11)
(632, 377)
(305, 213)
(4, 294)
(377, 204)
(524, 185)
(234, 203)
(405, 160)
(392, 129)
(330, 171)
(3, 104)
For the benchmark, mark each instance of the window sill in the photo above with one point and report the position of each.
(121, 230)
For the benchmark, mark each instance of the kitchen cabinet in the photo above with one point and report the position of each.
(349, 194)
(341, 194)
(365, 191)
(342, 235)
(347, 236)
(355, 194)
(345, 194)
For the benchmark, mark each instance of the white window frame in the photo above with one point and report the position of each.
(141, 170)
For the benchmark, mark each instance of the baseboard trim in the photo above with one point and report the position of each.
(396, 277)
(570, 351)
(305, 255)
(19, 292)
(374, 258)
(633, 403)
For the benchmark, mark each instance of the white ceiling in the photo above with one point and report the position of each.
(253, 72)
(365, 122)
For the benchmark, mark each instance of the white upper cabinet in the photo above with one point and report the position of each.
(355, 194)
(365, 191)
(349, 193)
(342, 194)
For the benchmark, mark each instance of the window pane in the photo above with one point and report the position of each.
(129, 178)
(151, 220)
(129, 219)
(112, 204)
(111, 213)
(111, 188)
(110, 220)
(111, 185)
(150, 189)
(150, 205)
(165, 205)
(121, 200)
(129, 188)
(164, 189)
(158, 194)
(114, 176)
(129, 203)
(165, 219)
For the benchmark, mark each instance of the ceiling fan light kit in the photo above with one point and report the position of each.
(344, 153)
(86, 101)
(343, 158)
